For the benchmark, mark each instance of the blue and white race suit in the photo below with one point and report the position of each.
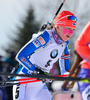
(41, 52)
(64, 61)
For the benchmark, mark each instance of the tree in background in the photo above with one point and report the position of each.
(24, 34)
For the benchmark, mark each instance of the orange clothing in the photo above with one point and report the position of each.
(81, 45)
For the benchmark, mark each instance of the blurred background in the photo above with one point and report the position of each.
(19, 19)
(25, 17)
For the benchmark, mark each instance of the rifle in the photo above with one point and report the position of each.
(49, 25)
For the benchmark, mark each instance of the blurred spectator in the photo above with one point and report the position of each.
(3, 94)
(1, 61)
(8, 63)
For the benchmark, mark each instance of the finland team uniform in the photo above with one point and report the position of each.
(40, 52)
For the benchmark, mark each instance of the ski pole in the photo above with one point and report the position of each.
(87, 80)
(25, 79)
(19, 83)
(50, 77)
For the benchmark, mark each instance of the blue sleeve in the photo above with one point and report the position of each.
(67, 53)
(30, 48)
(64, 59)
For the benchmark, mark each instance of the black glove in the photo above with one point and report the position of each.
(40, 72)
(46, 80)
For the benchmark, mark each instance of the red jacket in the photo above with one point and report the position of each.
(81, 45)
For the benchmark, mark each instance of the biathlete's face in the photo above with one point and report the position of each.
(65, 32)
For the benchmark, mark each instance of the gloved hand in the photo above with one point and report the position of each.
(66, 89)
(40, 72)
(46, 80)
